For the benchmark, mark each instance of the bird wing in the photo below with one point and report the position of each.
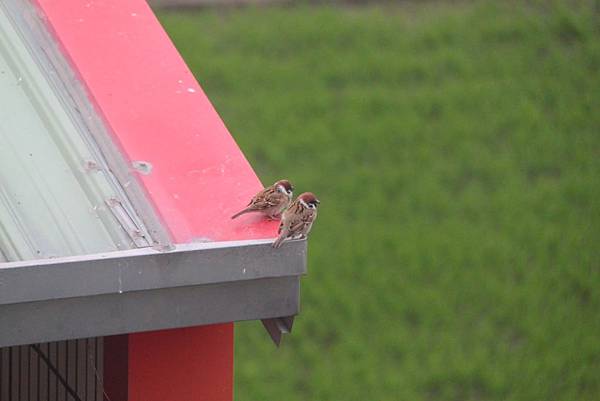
(290, 216)
(265, 199)
(298, 224)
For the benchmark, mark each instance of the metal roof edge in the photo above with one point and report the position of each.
(149, 310)
(147, 269)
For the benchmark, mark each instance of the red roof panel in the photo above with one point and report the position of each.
(159, 114)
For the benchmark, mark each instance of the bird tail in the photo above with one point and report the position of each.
(238, 214)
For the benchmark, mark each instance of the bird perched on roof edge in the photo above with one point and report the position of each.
(298, 219)
(271, 201)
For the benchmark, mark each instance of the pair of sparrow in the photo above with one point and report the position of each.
(275, 202)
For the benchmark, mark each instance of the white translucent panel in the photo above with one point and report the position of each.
(54, 199)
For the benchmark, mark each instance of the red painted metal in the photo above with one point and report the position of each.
(169, 373)
(159, 114)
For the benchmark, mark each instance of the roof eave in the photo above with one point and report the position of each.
(144, 290)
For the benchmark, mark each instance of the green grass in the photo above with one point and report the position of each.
(456, 152)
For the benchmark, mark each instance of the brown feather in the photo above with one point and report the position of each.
(270, 201)
(297, 220)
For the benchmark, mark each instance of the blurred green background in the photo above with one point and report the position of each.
(455, 147)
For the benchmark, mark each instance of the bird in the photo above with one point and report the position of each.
(271, 201)
(298, 219)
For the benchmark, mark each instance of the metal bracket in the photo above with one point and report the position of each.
(138, 235)
(277, 327)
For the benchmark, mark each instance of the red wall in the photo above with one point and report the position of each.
(199, 367)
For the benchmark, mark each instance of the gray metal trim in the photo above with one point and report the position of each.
(143, 289)
(145, 269)
(138, 311)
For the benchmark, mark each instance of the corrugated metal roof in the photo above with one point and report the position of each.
(57, 197)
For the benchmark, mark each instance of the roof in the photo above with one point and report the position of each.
(120, 76)
(158, 113)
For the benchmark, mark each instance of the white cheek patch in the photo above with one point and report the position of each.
(303, 203)
(282, 189)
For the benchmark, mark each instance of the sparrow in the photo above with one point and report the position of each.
(297, 221)
(271, 201)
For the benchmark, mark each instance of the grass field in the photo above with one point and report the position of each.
(455, 148)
